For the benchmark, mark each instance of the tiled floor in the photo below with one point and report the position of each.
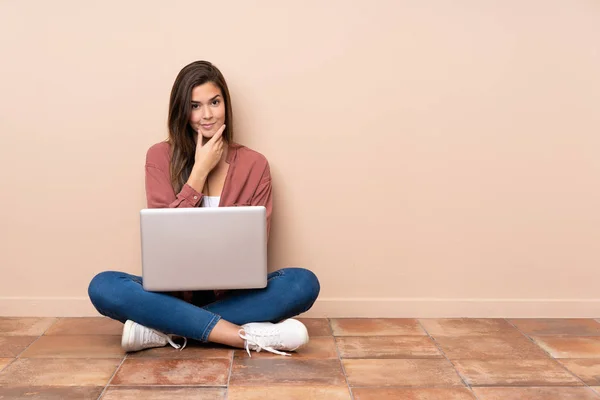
(361, 359)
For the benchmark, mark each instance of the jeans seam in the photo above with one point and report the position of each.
(210, 327)
(279, 273)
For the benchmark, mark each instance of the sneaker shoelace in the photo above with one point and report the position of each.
(263, 341)
(151, 336)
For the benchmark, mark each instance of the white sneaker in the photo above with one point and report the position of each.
(289, 335)
(138, 337)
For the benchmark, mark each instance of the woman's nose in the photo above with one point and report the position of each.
(207, 113)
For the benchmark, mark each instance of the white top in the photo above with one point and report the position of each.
(210, 201)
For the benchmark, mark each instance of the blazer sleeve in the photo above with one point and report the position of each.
(264, 195)
(160, 193)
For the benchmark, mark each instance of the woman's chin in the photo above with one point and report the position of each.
(206, 134)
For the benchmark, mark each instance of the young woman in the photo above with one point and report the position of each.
(200, 165)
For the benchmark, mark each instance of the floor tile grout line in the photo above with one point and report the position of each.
(337, 351)
(330, 327)
(112, 377)
(549, 355)
(38, 338)
(463, 387)
(557, 360)
(230, 373)
(178, 385)
(57, 320)
(437, 345)
(7, 365)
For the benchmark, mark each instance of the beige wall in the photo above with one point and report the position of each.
(430, 158)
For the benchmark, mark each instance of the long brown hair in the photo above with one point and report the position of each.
(181, 134)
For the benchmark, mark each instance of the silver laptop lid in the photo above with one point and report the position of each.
(204, 248)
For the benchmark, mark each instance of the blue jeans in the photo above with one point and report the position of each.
(120, 296)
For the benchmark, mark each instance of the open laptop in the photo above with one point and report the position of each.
(204, 248)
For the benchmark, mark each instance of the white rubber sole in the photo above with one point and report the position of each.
(127, 338)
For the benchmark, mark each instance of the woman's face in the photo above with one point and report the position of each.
(208, 109)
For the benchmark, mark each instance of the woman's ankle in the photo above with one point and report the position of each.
(226, 333)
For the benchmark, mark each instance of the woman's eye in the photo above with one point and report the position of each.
(215, 102)
(194, 106)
